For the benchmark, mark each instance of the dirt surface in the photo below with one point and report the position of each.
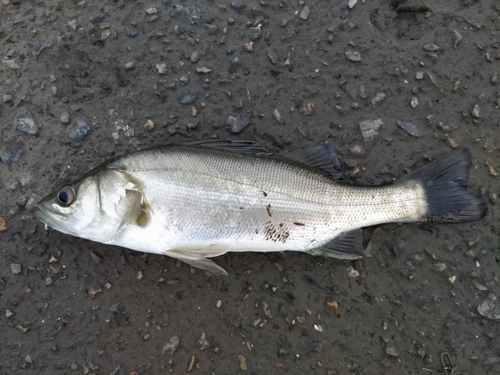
(72, 306)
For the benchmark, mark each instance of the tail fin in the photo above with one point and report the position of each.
(445, 183)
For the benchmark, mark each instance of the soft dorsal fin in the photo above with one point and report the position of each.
(321, 157)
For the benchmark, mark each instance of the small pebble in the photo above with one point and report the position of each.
(131, 31)
(304, 13)
(46, 45)
(353, 55)
(7, 98)
(414, 102)
(48, 281)
(129, 65)
(25, 123)
(151, 10)
(370, 128)
(236, 123)
(352, 3)
(9, 314)
(419, 75)
(243, 362)
(218, 304)
(431, 47)
(277, 116)
(149, 125)
(378, 98)
(490, 307)
(3, 224)
(171, 346)
(78, 130)
(439, 267)
(96, 17)
(15, 268)
(455, 39)
(408, 127)
(238, 4)
(188, 98)
(162, 68)
(392, 351)
(28, 359)
(64, 118)
(475, 111)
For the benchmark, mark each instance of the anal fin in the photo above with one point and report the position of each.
(196, 256)
(348, 245)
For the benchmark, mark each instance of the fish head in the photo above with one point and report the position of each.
(83, 209)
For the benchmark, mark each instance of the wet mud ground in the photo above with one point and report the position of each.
(108, 310)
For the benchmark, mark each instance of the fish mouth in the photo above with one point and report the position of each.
(50, 218)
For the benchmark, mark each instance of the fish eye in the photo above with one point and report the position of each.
(66, 195)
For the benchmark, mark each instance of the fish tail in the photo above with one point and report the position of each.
(445, 184)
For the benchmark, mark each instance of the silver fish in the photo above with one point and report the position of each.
(203, 199)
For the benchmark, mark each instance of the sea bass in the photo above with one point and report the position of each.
(202, 199)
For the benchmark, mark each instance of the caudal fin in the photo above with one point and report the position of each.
(445, 183)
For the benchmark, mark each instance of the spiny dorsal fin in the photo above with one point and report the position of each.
(322, 157)
(242, 147)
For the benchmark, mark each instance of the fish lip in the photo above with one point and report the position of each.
(48, 217)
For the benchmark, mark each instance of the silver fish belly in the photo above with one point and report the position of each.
(197, 202)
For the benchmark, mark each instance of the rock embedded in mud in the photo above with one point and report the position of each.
(236, 123)
(353, 55)
(64, 118)
(475, 111)
(490, 307)
(304, 13)
(188, 98)
(408, 127)
(131, 31)
(78, 130)
(15, 268)
(25, 123)
(3, 224)
(370, 128)
(238, 4)
(171, 346)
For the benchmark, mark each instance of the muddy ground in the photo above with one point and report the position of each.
(70, 306)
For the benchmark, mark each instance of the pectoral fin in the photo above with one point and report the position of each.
(348, 245)
(196, 256)
(131, 208)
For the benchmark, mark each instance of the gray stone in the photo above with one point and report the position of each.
(15, 268)
(236, 123)
(353, 55)
(25, 123)
(78, 130)
(370, 128)
(490, 307)
(304, 13)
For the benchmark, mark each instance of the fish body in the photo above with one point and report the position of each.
(197, 201)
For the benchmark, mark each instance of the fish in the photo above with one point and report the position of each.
(202, 199)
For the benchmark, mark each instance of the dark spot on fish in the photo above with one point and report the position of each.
(256, 231)
(265, 194)
(281, 225)
(299, 224)
(268, 208)
(276, 233)
(241, 208)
